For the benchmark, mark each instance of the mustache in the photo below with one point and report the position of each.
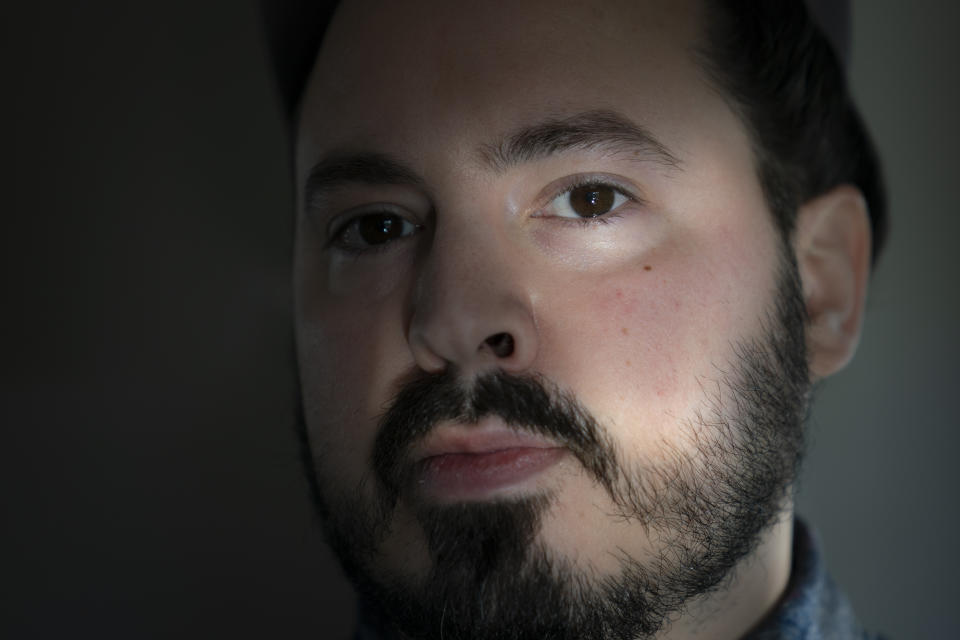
(527, 402)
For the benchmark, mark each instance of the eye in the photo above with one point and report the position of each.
(587, 201)
(370, 232)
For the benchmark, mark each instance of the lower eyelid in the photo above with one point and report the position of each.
(588, 222)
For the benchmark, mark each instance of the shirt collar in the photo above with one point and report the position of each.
(812, 606)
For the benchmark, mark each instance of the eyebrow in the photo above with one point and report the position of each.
(600, 130)
(341, 169)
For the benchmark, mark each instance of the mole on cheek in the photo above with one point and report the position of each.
(624, 331)
(647, 267)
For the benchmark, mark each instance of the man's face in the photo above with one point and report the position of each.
(551, 200)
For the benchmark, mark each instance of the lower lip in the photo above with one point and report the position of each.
(475, 476)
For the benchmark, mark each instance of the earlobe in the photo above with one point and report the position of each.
(832, 245)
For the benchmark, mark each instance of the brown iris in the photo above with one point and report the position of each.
(592, 200)
(379, 228)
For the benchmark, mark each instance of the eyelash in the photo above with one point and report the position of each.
(589, 222)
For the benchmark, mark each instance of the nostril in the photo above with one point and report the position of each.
(501, 344)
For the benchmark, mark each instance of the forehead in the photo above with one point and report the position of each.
(410, 75)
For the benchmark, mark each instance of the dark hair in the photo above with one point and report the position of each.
(769, 59)
(786, 82)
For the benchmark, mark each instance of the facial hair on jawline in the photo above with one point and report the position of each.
(491, 578)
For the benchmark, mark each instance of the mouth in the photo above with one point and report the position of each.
(478, 462)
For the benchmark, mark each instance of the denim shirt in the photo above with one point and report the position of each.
(812, 608)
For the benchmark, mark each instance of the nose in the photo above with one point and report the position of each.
(471, 310)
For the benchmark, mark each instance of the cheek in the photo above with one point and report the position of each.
(346, 365)
(334, 405)
(640, 346)
(348, 323)
(631, 346)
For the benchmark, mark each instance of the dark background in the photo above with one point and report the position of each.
(151, 482)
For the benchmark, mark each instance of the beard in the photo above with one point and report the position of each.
(490, 576)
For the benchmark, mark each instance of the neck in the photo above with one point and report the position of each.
(749, 595)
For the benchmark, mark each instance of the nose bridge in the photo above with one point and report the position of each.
(471, 308)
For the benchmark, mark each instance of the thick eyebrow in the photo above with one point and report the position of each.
(341, 169)
(599, 130)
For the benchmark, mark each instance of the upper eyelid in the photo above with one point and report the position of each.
(596, 183)
(585, 179)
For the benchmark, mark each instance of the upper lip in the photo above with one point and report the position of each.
(487, 436)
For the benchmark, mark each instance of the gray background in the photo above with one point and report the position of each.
(881, 480)
(151, 482)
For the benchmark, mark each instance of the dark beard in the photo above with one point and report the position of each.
(490, 578)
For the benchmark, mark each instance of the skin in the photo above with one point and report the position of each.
(634, 316)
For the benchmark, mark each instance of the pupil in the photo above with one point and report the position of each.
(591, 201)
(379, 228)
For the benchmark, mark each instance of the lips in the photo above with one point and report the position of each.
(476, 462)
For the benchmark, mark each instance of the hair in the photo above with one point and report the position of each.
(781, 75)
(770, 60)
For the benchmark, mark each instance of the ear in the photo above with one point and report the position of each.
(832, 245)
